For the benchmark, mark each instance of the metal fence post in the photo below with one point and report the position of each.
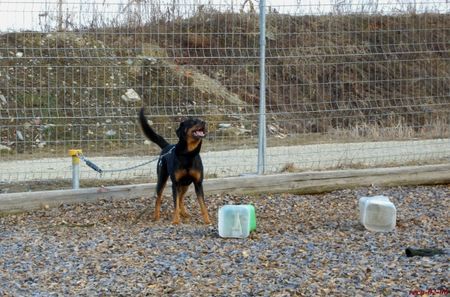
(75, 168)
(262, 88)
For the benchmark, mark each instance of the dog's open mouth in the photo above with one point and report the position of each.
(200, 133)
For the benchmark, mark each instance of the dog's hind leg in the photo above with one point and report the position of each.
(201, 201)
(162, 180)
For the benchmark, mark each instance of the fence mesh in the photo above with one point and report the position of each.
(348, 84)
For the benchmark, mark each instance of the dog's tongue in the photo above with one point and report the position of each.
(199, 133)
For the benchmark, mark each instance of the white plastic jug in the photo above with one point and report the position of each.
(377, 213)
(236, 221)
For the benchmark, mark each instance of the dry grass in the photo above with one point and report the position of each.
(439, 128)
(289, 167)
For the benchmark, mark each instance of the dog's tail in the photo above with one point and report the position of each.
(148, 131)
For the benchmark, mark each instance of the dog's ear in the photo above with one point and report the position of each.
(180, 132)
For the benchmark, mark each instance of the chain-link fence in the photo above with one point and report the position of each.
(347, 84)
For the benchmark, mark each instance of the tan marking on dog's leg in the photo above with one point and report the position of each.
(176, 213)
(180, 194)
(204, 211)
(183, 211)
(159, 194)
(201, 202)
(157, 214)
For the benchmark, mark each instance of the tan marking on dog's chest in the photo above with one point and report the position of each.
(180, 173)
(196, 175)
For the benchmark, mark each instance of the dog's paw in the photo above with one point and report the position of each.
(176, 220)
(184, 215)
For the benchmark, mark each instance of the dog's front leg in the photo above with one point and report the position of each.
(183, 212)
(178, 194)
(201, 201)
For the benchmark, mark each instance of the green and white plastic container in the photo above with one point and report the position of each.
(236, 221)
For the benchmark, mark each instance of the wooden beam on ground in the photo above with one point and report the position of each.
(300, 183)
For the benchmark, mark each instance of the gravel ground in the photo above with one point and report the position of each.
(309, 245)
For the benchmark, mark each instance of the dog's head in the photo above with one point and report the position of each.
(192, 130)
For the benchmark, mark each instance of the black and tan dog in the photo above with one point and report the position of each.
(182, 163)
